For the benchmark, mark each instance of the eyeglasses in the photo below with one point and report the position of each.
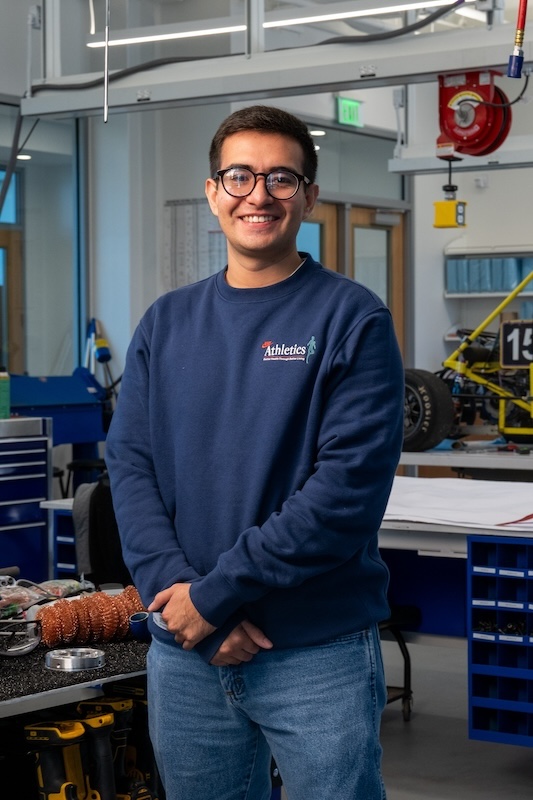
(280, 183)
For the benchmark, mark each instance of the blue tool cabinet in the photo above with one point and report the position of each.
(25, 481)
(500, 600)
(64, 557)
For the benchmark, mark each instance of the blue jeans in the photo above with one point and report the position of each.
(316, 709)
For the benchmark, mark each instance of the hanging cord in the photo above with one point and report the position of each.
(106, 61)
(92, 29)
(499, 105)
(23, 145)
(516, 59)
(450, 188)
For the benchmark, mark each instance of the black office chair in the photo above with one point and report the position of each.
(83, 470)
(402, 617)
(98, 548)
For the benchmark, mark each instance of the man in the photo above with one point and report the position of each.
(251, 457)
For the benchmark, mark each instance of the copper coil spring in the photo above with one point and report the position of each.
(97, 617)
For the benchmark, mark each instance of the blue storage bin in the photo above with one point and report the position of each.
(526, 309)
(496, 268)
(485, 275)
(527, 267)
(463, 284)
(511, 274)
(474, 275)
(451, 275)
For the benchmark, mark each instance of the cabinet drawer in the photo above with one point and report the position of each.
(12, 470)
(20, 512)
(26, 548)
(26, 446)
(23, 487)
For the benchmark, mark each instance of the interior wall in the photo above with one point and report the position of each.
(48, 289)
(377, 106)
(497, 215)
(111, 282)
(13, 49)
(138, 161)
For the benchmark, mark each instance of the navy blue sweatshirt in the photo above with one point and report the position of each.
(252, 452)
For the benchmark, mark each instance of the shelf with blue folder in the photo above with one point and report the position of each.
(487, 275)
(484, 274)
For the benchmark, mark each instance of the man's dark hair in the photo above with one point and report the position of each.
(265, 119)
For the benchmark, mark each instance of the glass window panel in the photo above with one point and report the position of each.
(8, 215)
(356, 164)
(308, 239)
(148, 18)
(40, 250)
(49, 263)
(371, 260)
(3, 309)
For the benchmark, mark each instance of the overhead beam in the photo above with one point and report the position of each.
(501, 159)
(297, 71)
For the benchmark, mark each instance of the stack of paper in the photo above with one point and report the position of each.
(498, 505)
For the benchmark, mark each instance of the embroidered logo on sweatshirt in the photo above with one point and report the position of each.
(289, 352)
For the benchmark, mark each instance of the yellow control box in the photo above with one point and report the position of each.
(450, 214)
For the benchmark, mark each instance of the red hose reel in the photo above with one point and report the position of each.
(474, 114)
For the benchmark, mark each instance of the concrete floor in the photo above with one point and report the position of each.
(431, 757)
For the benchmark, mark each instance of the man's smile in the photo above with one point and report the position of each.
(258, 218)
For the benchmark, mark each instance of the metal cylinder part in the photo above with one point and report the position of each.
(72, 659)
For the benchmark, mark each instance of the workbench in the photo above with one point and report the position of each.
(474, 581)
(463, 576)
(28, 689)
(483, 460)
(27, 685)
(31, 694)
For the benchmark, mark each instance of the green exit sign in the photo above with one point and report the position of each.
(349, 112)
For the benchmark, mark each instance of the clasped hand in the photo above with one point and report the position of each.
(189, 627)
(181, 615)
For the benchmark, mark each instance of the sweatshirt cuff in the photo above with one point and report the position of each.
(207, 648)
(214, 598)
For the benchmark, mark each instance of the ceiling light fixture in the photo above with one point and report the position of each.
(363, 12)
(162, 37)
(471, 13)
(318, 133)
(24, 157)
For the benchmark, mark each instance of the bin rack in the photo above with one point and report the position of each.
(500, 639)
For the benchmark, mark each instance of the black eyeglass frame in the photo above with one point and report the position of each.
(300, 178)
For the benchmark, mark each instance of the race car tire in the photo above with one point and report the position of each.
(428, 410)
